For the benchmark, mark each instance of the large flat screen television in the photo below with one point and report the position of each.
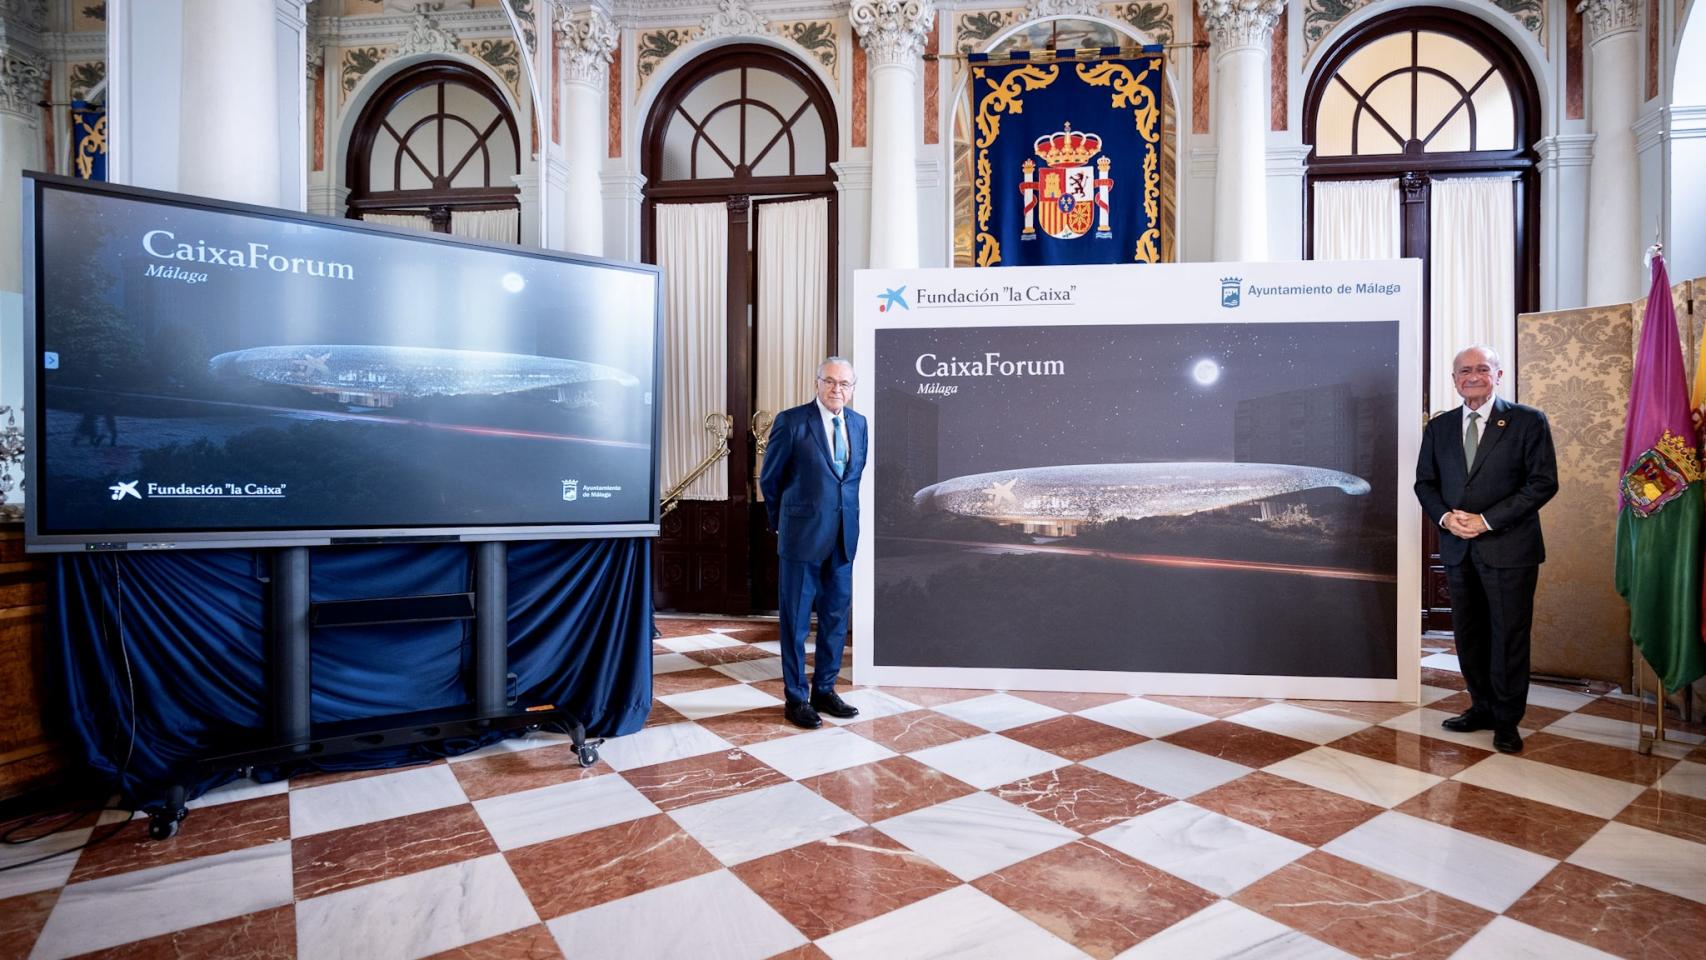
(208, 374)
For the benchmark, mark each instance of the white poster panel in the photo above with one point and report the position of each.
(1182, 478)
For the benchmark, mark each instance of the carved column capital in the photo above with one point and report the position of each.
(586, 38)
(21, 86)
(892, 31)
(1605, 18)
(1237, 24)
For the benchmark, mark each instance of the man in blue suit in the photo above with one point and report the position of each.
(812, 465)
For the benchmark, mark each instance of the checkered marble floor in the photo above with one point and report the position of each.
(939, 823)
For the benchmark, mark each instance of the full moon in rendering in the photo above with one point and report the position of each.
(514, 282)
(1205, 372)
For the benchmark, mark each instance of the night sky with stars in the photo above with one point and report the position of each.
(1130, 393)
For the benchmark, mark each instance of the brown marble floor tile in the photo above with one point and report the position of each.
(1441, 758)
(887, 788)
(751, 726)
(758, 634)
(733, 654)
(1619, 917)
(1448, 679)
(833, 884)
(1676, 814)
(1075, 738)
(915, 730)
(528, 943)
(662, 713)
(264, 935)
(1542, 828)
(775, 688)
(220, 828)
(1069, 701)
(659, 650)
(934, 696)
(1220, 707)
(686, 681)
(21, 920)
(1534, 716)
(340, 859)
(320, 778)
(1634, 712)
(43, 823)
(1618, 763)
(1369, 711)
(1095, 897)
(1291, 809)
(805, 951)
(1080, 798)
(517, 770)
(1238, 743)
(711, 776)
(685, 627)
(587, 869)
(1361, 911)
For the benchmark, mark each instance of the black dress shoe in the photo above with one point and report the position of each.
(831, 703)
(1507, 740)
(802, 715)
(1468, 721)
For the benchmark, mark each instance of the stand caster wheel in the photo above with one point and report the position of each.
(588, 755)
(164, 825)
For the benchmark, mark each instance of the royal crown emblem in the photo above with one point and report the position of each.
(1068, 196)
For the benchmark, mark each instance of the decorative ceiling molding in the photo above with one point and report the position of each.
(1048, 9)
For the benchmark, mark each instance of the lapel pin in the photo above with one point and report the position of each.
(1500, 423)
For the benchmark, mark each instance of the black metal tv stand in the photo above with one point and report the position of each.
(290, 734)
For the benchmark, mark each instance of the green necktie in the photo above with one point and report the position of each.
(1470, 441)
(840, 448)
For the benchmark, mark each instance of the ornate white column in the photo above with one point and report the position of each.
(228, 133)
(1614, 247)
(1239, 32)
(585, 39)
(21, 78)
(892, 32)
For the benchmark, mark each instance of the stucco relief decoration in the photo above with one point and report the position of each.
(426, 36)
(892, 31)
(585, 39)
(1607, 17)
(1530, 13)
(973, 30)
(20, 85)
(1235, 24)
(523, 11)
(655, 46)
(817, 37)
(84, 77)
(733, 19)
(356, 63)
(1047, 9)
(1153, 19)
(503, 56)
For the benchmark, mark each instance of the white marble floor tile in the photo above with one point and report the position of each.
(699, 704)
(1617, 733)
(1473, 869)
(53, 872)
(710, 917)
(1173, 770)
(998, 711)
(1226, 931)
(1507, 939)
(1214, 852)
(752, 671)
(1571, 789)
(1432, 693)
(1371, 781)
(1541, 695)
(1425, 722)
(963, 923)
(989, 761)
(773, 646)
(760, 822)
(1442, 661)
(561, 809)
(702, 641)
(238, 790)
(176, 896)
(371, 799)
(415, 915)
(976, 834)
(1687, 778)
(673, 663)
(821, 751)
(1651, 859)
(1145, 717)
(1299, 723)
(872, 703)
(660, 744)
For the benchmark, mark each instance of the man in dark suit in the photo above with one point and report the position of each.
(1485, 470)
(812, 465)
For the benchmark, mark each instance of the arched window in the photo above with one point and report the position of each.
(437, 146)
(1415, 90)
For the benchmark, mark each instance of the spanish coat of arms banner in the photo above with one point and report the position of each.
(1068, 159)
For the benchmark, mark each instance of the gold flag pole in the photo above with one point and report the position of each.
(1047, 55)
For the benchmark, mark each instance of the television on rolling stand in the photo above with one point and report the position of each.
(208, 374)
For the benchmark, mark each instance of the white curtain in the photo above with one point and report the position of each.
(414, 221)
(1472, 258)
(1356, 220)
(692, 249)
(501, 226)
(793, 300)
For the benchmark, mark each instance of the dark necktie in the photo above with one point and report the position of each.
(840, 448)
(1470, 441)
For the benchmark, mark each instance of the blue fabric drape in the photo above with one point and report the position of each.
(175, 643)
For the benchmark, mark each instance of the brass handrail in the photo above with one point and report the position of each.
(720, 426)
(761, 423)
